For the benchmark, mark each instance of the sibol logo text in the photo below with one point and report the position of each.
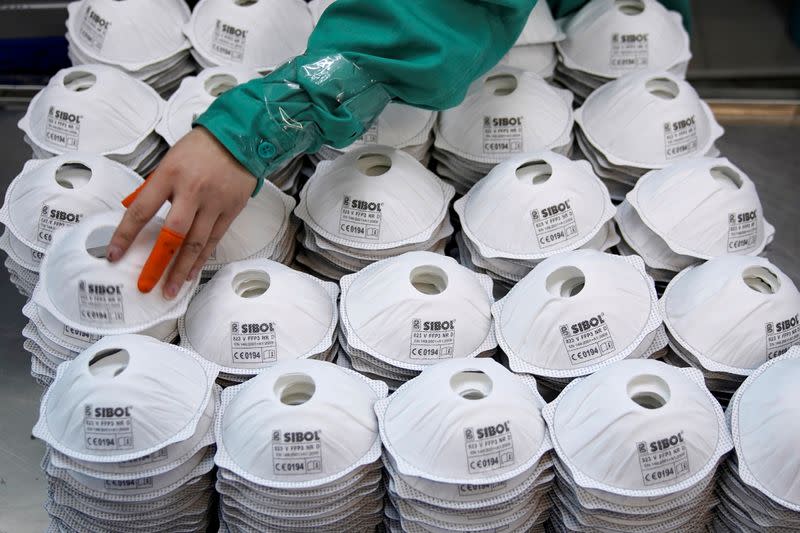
(555, 209)
(493, 431)
(264, 327)
(231, 30)
(112, 412)
(57, 214)
(746, 217)
(682, 124)
(787, 324)
(439, 325)
(65, 116)
(97, 19)
(93, 288)
(301, 436)
(506, 121)
(363, 205)
(633, 38)
(663, 444)
(588, 324)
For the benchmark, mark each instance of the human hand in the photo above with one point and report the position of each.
(207, 187)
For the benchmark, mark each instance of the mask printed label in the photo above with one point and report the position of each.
(93, 29)
(489, 448)
(101, 303)
(79, 335)
(742, 231)
(129, 484)
(108, 428)
(502, 135)
(371, 135)
(52, 219)
(229, 42)
(432, 339)
(475, 490)
(63, 128)
(146, 460)
(554, 224)
(782, 335)
(663, 460)
(255, 342)
(36, 256)
(680, 138)
(361, 218)
(629, 51)
(587, 340)
(296, 453)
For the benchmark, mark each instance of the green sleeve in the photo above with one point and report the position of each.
(362, 55)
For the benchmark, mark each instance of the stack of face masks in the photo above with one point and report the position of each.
(96, 109)
(255, 313)
(81, 297)
(372, 203)
(258, 35)
(641, 122)
(299, 450)
(403, 314)
(577, 313)
(466, 449)
(728, 316)
(638, 444)
(689, 212)
(400, 126)
(534, 50)
(129, 429)
(58, 192)
(607, 39)
(506, 112)
(758, 488)
(143, 39)
(529, 208)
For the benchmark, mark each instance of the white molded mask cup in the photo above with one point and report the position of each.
(125, 397)
(195, 95)
(703, 208)
(612, 429)
(92, 108)
(540, 59)
(133, 35)
(541, 27)
(610, 38)
(82, 289)
(506, 112)
(260, 34)
(766, 427)
(648, 120)
(257, 312)
(417, 309)
(61, 191)
(577, 312)
(318, 405)
(317, 8)
(733, 313)
(398, 126)
(535, 205)
(374, 198)
(441, 425)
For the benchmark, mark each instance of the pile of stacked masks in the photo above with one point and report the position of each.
(81, 297)
(529, 208)
(58, 192)
(143, 39)
(129, 428)
(577, 313)
(758, 486)
(607, 39)
(729, 316)
(689, 212)
(642, 122)
(196, 94)
(466, 449)
(96, 109)
(534, 50)
(371, 203)
(506, 112)
(637, 448)
(299, 450)
(405, 313)
(400, 126)
(255, 313)
(249, 33)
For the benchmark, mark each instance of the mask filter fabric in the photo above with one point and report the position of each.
(403, 314)
(475, 457)
(637, 445)
(534, 50)
(298, 445)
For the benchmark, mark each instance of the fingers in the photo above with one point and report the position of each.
(190, 252)
(172, 238)
(146, 203)
(222, 225)
(128, 200)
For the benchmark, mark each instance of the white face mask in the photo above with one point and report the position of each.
(611, 429)
(609, 38)
(540, 28)
(257, 312)
(625, 121)
(317, 404)
(125, 397)
(318, 7)
(85, 291)
(464, 421)
(260, 35)
(540, 59)
(417, 309)
(22, 257)
(195, 95)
